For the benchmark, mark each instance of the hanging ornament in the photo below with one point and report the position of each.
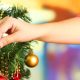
(3, 77)
(17, 76)
(31, 60)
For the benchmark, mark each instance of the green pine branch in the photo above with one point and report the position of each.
(14, 54)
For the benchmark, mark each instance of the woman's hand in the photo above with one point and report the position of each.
(18, 31)
(67, 31)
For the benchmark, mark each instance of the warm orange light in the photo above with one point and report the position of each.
(72, 5)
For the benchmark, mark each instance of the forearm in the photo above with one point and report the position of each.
(67, 32)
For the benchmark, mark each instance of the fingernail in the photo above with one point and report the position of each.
(1, 45)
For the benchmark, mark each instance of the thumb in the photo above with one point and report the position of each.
(7, 40)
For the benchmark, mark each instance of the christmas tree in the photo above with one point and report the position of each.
(15, 58)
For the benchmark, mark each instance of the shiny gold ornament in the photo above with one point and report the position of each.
(31, 60)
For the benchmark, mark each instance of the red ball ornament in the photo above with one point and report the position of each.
(17, 76)
(3, 77)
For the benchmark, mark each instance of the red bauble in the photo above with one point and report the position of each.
(17, 76)
(3, 77)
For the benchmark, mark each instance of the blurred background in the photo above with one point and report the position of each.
(56, 61)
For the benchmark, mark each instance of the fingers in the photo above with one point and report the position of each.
(8, 39)
(4, 19)
(5, 25)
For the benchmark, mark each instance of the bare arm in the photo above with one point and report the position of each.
(67, 31)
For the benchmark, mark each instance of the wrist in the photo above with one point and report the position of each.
(39, 31)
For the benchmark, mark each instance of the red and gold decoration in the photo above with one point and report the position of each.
(17, 75)
(3, 77)
(15, 56)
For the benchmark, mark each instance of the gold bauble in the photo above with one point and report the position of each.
(31, 60)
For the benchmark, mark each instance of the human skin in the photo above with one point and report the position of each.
(67, 31)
